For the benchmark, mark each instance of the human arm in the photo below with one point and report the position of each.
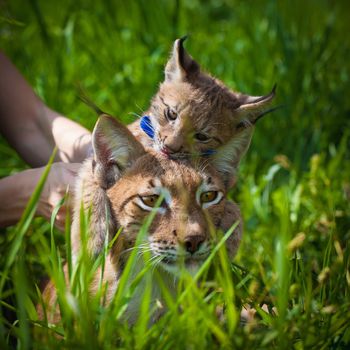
(15, 191)
(32, 128)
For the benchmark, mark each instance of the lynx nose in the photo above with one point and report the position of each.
(173, 143)
(171, 150)
(192, 243)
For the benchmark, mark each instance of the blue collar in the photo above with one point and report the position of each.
(208, 153)
(148, 129)
(146, 126)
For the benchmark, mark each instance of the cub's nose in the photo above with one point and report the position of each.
(170, 149)
(192, 243)
(174, 143)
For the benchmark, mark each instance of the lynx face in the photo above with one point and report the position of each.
(195, 114)
(187, 123)
(129, 181)
(193, 201)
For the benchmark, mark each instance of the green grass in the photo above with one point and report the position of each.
(293, 188)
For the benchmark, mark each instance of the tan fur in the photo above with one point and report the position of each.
(121, 171)
(202, 105)
(182, 217)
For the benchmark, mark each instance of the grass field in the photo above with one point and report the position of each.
(293, 188)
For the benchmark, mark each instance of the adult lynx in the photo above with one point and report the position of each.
(120, 186)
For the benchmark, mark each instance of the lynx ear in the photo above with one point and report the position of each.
(115, 149)
(252, 108)
(181, 66)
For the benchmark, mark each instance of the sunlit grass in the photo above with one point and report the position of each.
(298, 287)
(294, 187)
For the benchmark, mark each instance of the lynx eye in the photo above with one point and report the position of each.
(170, 114)
(201, 137)
(149, 201)
(209, 196)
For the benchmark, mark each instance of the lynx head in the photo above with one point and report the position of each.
(194, 113)
(193, 199)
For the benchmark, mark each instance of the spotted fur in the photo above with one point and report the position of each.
(194, 112)
(111, 188)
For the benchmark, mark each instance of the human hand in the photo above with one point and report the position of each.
(73, 141)
(60, 181)
(15, 191)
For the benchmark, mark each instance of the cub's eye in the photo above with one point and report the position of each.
(201, 137)
(150, 201)
(209, 196)
(170, 114)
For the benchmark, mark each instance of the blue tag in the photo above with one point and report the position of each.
(147, 126)
(208, 152)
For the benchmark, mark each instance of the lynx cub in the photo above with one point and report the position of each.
(121, 184)
(196, 114)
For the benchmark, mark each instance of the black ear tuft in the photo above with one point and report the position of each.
(252, 108)
(181, 66)
(181, 51)
(252, 102)
(183, 38)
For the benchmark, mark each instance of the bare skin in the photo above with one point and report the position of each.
(34, 130)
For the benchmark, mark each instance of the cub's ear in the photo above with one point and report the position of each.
(181, 66)
(252, 108)
(115, 149)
